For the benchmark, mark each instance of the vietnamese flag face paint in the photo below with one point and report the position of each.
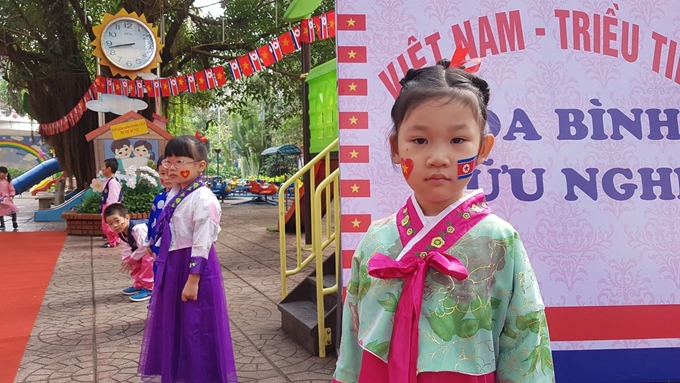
(406, 167)
(466, 166)
(185, 173)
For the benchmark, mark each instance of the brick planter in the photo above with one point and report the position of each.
(87, 224)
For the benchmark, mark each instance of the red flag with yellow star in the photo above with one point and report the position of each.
(220, 77)
(165, 87)
(357, 154)
(352, 87)
(182, 83)
(244, 63)
(352, 54)
(266, 55)
(201, 81)
(355, 188)
(330, 16)
(355, 223)
(351, 22)
(353, 120)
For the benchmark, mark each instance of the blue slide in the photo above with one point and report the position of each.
(35, 175)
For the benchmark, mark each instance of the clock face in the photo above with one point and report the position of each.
(128, 43)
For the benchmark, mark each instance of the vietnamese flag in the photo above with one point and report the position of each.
(330, 16)
(244, 63)
(352, 87)
(352, 54)
(182, 83)
(266, 55)
(355, 223)
(165, 87)
(353, 120)
(201, 80)
(220, 77)
(357, 154)
(355, 188)
(351, 22)
(100, 83)
(290, 41)
(347, 259)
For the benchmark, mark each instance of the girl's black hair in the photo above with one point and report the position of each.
(3, 169)
(440, 81)
(187, 146)
(158, 163)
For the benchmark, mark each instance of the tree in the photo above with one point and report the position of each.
(45, 50)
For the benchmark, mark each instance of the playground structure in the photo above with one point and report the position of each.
(311, 311)
(62, 202)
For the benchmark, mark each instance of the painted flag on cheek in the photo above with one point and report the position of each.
(466, 166)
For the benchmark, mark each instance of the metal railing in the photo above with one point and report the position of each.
(319, 241)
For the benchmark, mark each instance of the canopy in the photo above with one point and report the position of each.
(284, 150)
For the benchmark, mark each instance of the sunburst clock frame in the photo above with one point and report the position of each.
(127, 44)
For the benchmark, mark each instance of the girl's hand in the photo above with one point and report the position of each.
(190, 291)
(125, 267)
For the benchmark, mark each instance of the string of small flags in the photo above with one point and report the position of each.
(317, 28)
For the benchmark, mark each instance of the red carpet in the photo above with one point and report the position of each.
(28, 260)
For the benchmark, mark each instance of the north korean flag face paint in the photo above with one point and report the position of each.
(466, 166)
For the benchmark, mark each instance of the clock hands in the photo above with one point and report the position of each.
(121, 45)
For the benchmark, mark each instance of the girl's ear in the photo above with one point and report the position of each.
(201, 166)
(394, 149)
(488, 141)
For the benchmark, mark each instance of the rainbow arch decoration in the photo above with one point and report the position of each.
(40, 156)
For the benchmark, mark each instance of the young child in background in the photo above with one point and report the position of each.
(187, 337)
(112, 193)
(136, 259)
(157, 207)
(7, 193)
(443, 290)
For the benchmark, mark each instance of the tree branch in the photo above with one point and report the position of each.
(87, 24)
(170, 37)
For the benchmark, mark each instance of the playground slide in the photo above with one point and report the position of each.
(44, 185)
(319, 175)
(36, 175)
(54, 214)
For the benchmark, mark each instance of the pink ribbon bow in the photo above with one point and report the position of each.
(403, 356)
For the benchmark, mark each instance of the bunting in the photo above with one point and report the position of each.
(317, 28)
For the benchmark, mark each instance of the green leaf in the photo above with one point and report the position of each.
(353, 288)
(495, 303)
(364, 282)
(379, 349)
(390, 304)
(441, 324)
(510, 333)
(467, 328)
(483, 315)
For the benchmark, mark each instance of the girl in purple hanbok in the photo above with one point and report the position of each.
(187, 336)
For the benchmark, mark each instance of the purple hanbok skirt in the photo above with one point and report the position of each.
(187, 342)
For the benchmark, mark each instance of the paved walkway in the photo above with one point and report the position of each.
(87, 331)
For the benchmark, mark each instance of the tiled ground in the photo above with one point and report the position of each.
(87, 331)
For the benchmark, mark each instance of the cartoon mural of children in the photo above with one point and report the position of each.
(144, 149)
(122, 149)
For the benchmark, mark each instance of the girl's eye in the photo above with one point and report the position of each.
(419, 141)
(458, 140)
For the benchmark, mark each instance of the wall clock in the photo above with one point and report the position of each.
(127, 44)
